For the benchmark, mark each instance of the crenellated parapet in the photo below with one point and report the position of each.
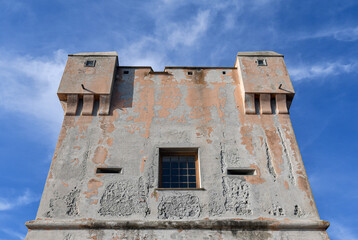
(264, 82)
(88, 78)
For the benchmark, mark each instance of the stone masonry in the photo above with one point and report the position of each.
(105, 178)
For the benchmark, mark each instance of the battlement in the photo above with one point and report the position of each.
(265, 85)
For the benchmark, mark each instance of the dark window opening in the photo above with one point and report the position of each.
(109, 170)
(179, 169)
(190, 73)
(261, 62)
(240, 171)
(257, 104)
(90, 63)
(125, 72)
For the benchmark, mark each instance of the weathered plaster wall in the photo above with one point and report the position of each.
(173, 109)
(174, 234)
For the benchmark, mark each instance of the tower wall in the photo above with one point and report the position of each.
(251, 180)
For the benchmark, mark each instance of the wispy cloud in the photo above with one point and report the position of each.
(154, 49)
(348, 34)
(183, 35)
(25, 198)
(339, 231)
(321, 71)
(29, 84)
(188, 32)
(13, 233)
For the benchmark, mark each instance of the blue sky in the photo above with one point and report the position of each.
(318, 38)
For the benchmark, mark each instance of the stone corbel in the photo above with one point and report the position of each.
(250, 103)
(265, 104)
(72, 104)
(104, 104)
(88, 100)
(281, 104)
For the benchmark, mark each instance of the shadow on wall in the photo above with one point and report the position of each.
(122, 96)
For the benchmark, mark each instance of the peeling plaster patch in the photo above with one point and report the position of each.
(83, 122)
(287, 157)
(216, 206)
(269, 161)
(230, 154)
(109, 141)
(286, 185)
(276, 210)
(169, 99)
(100, 155)
(150, 176)
(144, 104)
(124, 199)
(71, 202)
(298, 211)
(67, 202)
(222, 162)
(68, 236)
(96, 234)
(276, 149)
(304, 186)
(246, 133)
(144, 159)
(255, 179)
(236, 192)
(93, 186)
(179, 207)
(76, 161)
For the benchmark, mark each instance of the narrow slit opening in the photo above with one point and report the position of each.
(109, 170)
(273, 104)
(257, 104)
(240, 171)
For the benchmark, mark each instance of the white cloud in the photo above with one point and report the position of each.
(26, 198)
(188, 32)
(183, 35)
(320, 71)
(152, 50)
(348, 34)
(28, 86)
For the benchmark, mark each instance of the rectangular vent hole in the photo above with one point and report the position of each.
(125, 72)
(106, 170)
(190, 73)
(90, 63)
(240, 171)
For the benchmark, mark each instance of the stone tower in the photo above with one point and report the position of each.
(186, 153)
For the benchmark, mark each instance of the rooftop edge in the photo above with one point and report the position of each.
(260, 54)
(107, 54)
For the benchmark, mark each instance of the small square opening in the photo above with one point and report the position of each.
(90, 63)
(190, 73)
(261, 62)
